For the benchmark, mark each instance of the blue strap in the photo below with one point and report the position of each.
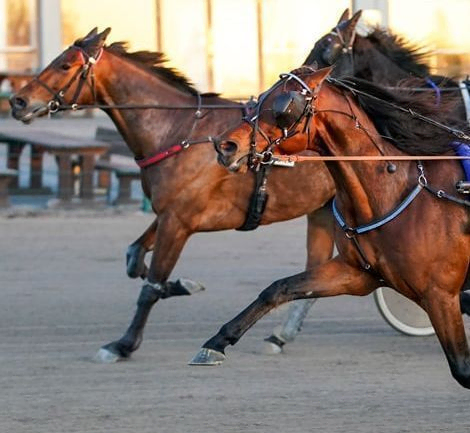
(436, 89)
(378, 223)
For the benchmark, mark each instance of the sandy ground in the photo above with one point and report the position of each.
(64, 293)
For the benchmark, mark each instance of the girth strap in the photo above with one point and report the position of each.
(258, 201)
(351, 231)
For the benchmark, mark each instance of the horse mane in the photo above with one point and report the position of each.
(154, 61)
(407, 133)
(408, 56)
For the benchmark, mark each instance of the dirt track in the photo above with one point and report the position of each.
(64, 293)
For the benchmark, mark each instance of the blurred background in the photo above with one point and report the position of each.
(236, 47)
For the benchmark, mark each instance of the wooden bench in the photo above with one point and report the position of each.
(67, 150)
(6, 176)
(126, 170)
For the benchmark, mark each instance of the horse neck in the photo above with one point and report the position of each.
(364, 188)
(146, 131)
(372, 65)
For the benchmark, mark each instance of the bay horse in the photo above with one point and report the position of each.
(189, 191)
(382, 57)
(402, 226)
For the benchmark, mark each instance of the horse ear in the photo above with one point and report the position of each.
(350, 29)
(344, 16)
(355, 19)
(91, 34)
(102, 36)
(318, 78)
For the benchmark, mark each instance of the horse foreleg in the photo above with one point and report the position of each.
(446, 318)
(329, 279)
(169, 241)
(320, 244)
(136, 252)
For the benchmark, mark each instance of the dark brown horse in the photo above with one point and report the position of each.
(190, 192)
(380, 56)
(406, 226)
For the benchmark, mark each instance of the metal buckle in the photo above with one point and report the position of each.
(463, 187)
(53, 106)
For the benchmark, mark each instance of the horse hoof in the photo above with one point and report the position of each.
(105, 356)
(273, 345)
(207, 357)
(190, 286)
(271, 348)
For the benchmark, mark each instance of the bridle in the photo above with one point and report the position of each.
(302, 108)
(85, 75)
(81, 74)
(352, 232)
(341, 48)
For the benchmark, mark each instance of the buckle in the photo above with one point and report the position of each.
(463, 187)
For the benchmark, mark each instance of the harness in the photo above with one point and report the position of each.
(266, 158)
(259, 196)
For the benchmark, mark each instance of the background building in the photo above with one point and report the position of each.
(237, 47)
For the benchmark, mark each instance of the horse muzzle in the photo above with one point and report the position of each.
(226, 151)
(25, 112)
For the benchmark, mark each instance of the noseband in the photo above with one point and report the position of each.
(265, 157)
(82, 73)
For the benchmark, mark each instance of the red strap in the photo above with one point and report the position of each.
(154, 159)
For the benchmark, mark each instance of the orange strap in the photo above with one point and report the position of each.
(301, 158)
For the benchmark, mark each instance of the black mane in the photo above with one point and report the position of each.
(407, 133)
(408, 56)
(154, 61)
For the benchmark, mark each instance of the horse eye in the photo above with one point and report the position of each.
(65, 66)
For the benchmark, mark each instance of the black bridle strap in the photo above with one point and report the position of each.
(57, 102)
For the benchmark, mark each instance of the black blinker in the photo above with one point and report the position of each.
(288, 108)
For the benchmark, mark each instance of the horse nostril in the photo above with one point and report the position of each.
(228, 147)
(18, 103)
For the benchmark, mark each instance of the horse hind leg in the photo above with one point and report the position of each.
(446, 318)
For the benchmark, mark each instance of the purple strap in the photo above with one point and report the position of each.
(432, 84)
(463, 149)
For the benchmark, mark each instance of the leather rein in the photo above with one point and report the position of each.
(85, 76)
(266, 157)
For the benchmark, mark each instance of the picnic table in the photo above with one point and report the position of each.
(69, 151)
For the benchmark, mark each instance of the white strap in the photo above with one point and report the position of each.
(466, 98)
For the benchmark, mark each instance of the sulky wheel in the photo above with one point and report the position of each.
(402, 314)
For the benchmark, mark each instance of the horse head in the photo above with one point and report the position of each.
(282, 122)
(66, 81)
(336, 47)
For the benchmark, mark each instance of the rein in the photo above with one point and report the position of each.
(57, 103)
(267, 157)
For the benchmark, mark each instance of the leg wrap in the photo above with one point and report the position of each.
(150, 293)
